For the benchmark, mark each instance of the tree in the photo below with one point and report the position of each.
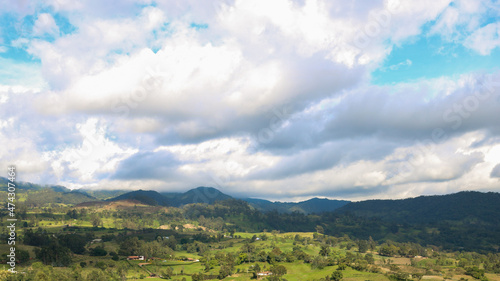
(225, 271)
(197, 277)
(54, 255)
(256, 268)
(97, 275)
(278, 270)
(363, 246)
(337, 275)
(371, 244)
(319, 262)
(242, 258)
(320, 229)
(23, 256)
(325, 251)
(76, 243)
(131, 246)
(417, 275)
(369, 258)
(96, 220)
(98, 251)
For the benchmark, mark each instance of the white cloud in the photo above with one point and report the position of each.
(484, 39)
(393, 67)
(96, 154)
(135, 83)
(45, 24)
(95, 45)
(460, 18)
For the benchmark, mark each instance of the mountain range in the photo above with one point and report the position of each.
(470, 205)
(207, 195)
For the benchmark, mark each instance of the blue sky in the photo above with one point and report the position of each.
(432, 57)
(274, 100)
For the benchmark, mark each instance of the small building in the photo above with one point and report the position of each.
(98, 240)
(135, 258)
(264, 273)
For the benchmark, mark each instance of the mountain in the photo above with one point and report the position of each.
(103, 194)
(314, 205)
(266, 206)
(467, 205)
(38, 195)
(49, 196)
(207, 195)
(27, 186)
(318, 205)
(148, 197)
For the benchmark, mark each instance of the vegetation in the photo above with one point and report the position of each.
(231, 240)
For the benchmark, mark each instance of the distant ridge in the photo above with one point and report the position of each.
(45, 194)
(202, 194)
(148, 197)
(210, 195)
(472, 205)
(207, 195)
(313, 205)
(32, 186)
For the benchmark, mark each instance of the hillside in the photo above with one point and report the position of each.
(148, 197)
(39, 195)
(49, 196)
(27, 186)
(468, 205)
(103, 194)
(207, 195)
(314, 205)
(210, 195)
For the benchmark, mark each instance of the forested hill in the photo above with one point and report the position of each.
(210, 195)
(314, 205)
(41, 195)
(148, 197)
(202, 194)
(206, 195)
(28, 186)
(471, 206)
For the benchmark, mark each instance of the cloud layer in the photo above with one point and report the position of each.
(260, 99)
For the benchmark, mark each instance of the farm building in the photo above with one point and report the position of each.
(135, 258)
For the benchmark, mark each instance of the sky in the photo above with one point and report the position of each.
(281, 100)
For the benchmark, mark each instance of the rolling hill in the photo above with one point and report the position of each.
(466, 205)
(314, 205)
(148, 197)
(38, 195)
(207, 195)
(28, 186)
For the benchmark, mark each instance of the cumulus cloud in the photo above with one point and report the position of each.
(485, 39)
(275, 98)
(148, 165)
(95, 155)
(45, 24)
(495, 173)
